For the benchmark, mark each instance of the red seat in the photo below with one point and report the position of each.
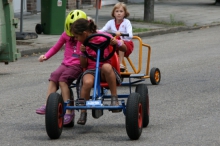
(114, 63)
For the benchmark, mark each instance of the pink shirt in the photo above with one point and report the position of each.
(71, 52)
(96, 40)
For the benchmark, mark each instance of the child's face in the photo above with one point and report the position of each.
(81, 38)
(119, 13)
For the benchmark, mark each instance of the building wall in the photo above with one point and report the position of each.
(88, 2)
(136, 1)
(17, 6)
(32, 6)
(71, 4)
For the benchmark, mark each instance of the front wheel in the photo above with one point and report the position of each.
(134, 116)
(54, 115)
(143, 91)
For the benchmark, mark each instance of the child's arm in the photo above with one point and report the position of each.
(129, 29)
(56, 47)
(119, 43)
(83, 59)
(106, 27)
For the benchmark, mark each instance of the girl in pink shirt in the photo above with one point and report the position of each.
(81, 29)
(70, 68)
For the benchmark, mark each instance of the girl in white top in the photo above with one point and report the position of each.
(120, 25)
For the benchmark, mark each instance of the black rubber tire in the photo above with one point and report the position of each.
(134, 116)
(71, 124)
(143, 91)
(155, 76)
(38, 29)
(53, 115)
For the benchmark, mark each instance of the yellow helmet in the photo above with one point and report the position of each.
(72, 17)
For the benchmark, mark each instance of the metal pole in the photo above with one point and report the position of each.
(77, 4)
(97, 12)
(21, 17)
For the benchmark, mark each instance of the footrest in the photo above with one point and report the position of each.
(80, 101)
(93, 103)
(137, 75)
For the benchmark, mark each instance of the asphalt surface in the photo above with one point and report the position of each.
(184, 107)
(194, 14)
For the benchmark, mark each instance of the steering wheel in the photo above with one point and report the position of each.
(101, 46)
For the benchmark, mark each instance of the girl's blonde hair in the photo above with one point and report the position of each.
(118, 5)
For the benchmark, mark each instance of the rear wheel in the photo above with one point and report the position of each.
(155, 76)
(134, 116)
(143, 91)
(54, 115)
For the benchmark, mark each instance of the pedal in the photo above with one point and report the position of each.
(80, 102)
(71, 101)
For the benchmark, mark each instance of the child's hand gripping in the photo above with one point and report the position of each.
(118, 33)
(114, 41)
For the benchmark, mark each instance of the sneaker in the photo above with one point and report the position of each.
(41, 110)
(68, 118)
(122, 68)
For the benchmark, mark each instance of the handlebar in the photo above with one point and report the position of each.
(122, 34)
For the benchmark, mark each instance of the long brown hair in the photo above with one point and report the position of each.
(81, 25)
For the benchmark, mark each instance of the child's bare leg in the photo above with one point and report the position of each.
(88, 81)
(121, 56)
(65, 93)
(51, 88)
(108, 75)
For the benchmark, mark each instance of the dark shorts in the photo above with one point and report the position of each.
(92, 71)
(65, 74)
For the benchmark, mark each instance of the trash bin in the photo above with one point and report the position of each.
(53, 13)
(8, 50)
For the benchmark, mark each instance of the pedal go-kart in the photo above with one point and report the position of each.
(136, 108)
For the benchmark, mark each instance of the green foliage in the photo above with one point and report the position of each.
(135, 30)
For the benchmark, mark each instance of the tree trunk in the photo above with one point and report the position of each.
(217, 2)
(148, 10)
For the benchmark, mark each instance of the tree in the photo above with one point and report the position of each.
(217, 2)
(148, 10)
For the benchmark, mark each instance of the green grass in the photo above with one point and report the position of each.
(174, 23)
(135, 30)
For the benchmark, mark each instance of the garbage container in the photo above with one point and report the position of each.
(8, 50)
(53, 13)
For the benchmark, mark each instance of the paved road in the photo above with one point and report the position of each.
(184, 107)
